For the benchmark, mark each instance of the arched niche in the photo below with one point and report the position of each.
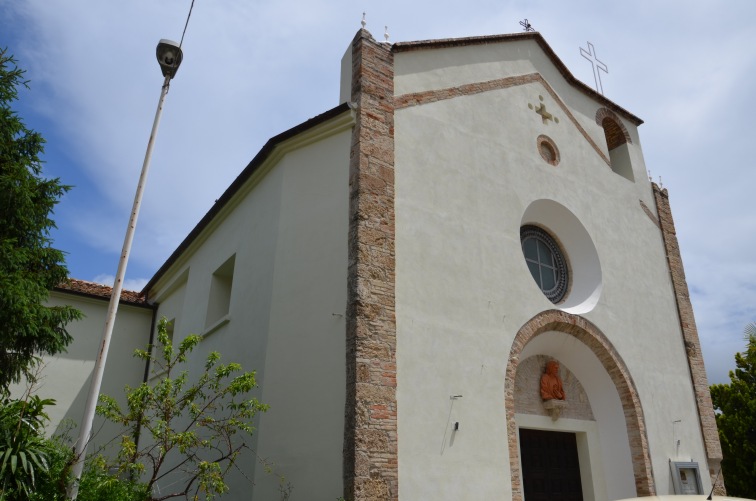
(617, 140)
(562, 327)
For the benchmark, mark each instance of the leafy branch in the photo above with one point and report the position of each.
(192, 429)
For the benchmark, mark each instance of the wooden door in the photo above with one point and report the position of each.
(550, 466)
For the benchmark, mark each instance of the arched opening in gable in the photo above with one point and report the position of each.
(617, 142)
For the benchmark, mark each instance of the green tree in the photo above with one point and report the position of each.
(736, 419)
(29, 266)
(191, 429)
(23, 448)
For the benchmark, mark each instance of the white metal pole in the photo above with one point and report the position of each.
(94, 388)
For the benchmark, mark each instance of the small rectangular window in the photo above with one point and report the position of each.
(220, 292)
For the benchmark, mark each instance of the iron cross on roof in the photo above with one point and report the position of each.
(526, 26)
(597, 66)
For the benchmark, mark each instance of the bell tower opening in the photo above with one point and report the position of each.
(617, 142)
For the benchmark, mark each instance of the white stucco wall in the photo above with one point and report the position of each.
(440, 68)
(288, 233)
(467, 169)
(66, 377)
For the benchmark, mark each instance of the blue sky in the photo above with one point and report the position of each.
(254, 69)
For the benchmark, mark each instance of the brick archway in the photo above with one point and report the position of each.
(615, 131)
(597, 342)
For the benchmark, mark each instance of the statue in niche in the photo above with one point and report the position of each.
(551, 383)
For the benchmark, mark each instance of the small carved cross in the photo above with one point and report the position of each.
(541, 110)
(597, 66)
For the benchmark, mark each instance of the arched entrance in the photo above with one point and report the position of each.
(589, 335)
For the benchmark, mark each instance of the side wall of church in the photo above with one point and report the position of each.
(67, 376)
(282, 242)
(468, 175)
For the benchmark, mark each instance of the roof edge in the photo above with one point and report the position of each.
(237, 184)
(94, 290)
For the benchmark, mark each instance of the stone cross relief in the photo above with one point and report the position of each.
(541, 110)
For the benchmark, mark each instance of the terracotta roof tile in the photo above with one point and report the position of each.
(99, 290)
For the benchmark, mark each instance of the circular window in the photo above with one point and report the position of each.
(578, 253)
(548, 150)
(546, 262)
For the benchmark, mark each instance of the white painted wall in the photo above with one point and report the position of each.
(288, 232)
(66, 377)
(467, 169)
(422, 70)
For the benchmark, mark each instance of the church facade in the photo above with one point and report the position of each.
(402, 270)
